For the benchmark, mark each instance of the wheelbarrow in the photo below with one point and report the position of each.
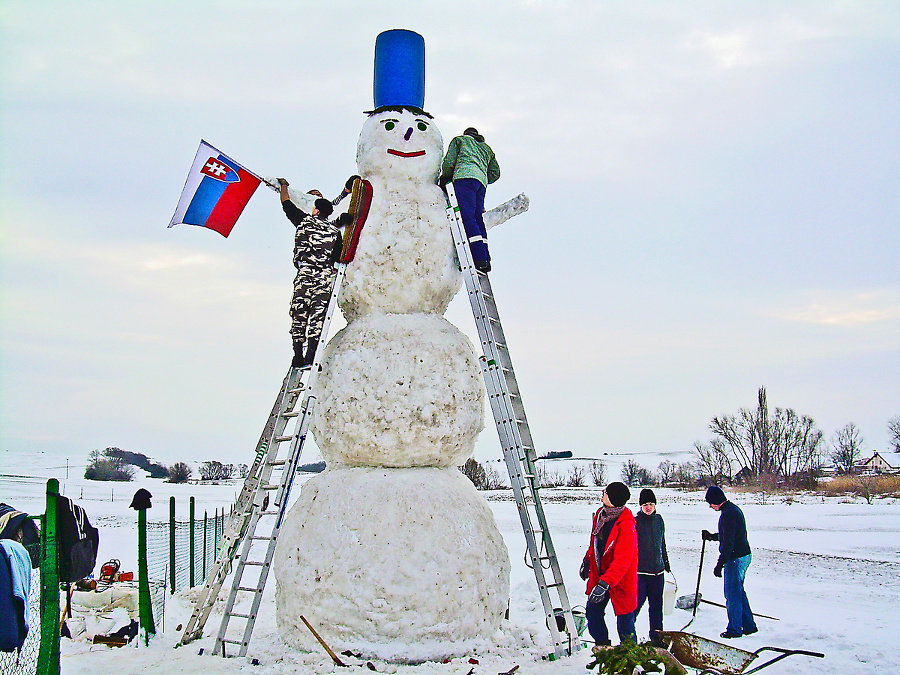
(714, 658)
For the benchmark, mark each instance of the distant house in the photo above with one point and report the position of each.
(874, 464)
(742, 476)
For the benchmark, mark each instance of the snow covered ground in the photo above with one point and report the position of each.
(827, 568)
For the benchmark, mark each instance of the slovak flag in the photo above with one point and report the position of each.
(216, 191)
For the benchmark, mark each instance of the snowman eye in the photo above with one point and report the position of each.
(389, 126)
(422, 126)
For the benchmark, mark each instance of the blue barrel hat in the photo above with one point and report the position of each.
(399, 80)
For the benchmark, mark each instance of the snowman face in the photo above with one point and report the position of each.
(400, 145)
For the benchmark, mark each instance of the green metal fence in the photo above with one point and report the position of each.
(172, 555)
(180, 553)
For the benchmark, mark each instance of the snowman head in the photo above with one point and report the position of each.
(400, 144)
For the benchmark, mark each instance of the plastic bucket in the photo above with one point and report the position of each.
(580, 620)
(670, 590)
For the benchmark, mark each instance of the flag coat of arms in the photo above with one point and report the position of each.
(216, 191)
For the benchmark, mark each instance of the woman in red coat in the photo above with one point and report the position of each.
(610, 566)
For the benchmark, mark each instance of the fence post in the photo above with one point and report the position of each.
(145, 609)
(172, 545)
(205, 523)
(191, 560)
(48, 655)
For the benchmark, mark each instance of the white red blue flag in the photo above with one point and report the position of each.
(216, 191)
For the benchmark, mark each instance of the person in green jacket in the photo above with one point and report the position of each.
(471, 165)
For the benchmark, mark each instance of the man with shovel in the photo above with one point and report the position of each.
(734, 559)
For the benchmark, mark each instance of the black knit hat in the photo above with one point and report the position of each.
(325, 207)
(714, 495)
(618, 493)
(647, 497)
(141, 500)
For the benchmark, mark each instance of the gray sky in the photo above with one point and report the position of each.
(714, 191)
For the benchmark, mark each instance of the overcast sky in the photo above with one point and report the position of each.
(714, 208)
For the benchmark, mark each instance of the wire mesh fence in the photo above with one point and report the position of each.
(180, 554)
(24, 662)
(158, 569)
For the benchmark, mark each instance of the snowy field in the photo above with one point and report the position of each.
(827, 568)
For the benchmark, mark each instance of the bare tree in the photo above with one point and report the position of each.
(713, 462)
(598, 473)
(685, 474)
(780, 443)
(474, 472)
(492, 479)
(633, 474)
(550, 479)
(665, 472)
(846, 446)
(216, 471)
(894, 433)
(179, 472)
(576, 477)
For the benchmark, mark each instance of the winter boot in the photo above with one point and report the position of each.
(311, 352)
(297, 361)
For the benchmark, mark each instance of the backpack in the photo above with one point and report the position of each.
(16, 525)
(77, 541)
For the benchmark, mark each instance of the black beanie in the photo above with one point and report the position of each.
(141, 500)
(647, 497)
(714, 495)
(618, 493)
(326, 208)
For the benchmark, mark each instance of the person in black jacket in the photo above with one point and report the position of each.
(653, 561)
(734, 559)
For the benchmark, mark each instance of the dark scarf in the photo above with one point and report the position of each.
(606, 515)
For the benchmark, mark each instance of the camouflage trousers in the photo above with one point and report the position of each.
(312, 291)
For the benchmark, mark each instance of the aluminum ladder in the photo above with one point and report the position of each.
(263, 497)
(515, 439)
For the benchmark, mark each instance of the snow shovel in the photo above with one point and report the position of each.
(697, 592)
(691, 601)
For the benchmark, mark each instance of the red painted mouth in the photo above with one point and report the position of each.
(417, 153)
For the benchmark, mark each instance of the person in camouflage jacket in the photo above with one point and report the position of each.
(317, 246)
(471, 165)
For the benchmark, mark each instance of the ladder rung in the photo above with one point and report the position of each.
(233, 642)
(269, 487)
(292, 413)
(258, 538)
(239, 616)
(255, 563)
(278, 462)
(247, 589)
(282, 439)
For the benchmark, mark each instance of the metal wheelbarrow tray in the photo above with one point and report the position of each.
(714, 658)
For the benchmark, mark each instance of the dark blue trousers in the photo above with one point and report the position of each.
(470, 197)
(594, 611)
(650, 588)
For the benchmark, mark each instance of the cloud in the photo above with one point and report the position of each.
(846, 309)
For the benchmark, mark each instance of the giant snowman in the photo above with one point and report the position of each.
(390, 551)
